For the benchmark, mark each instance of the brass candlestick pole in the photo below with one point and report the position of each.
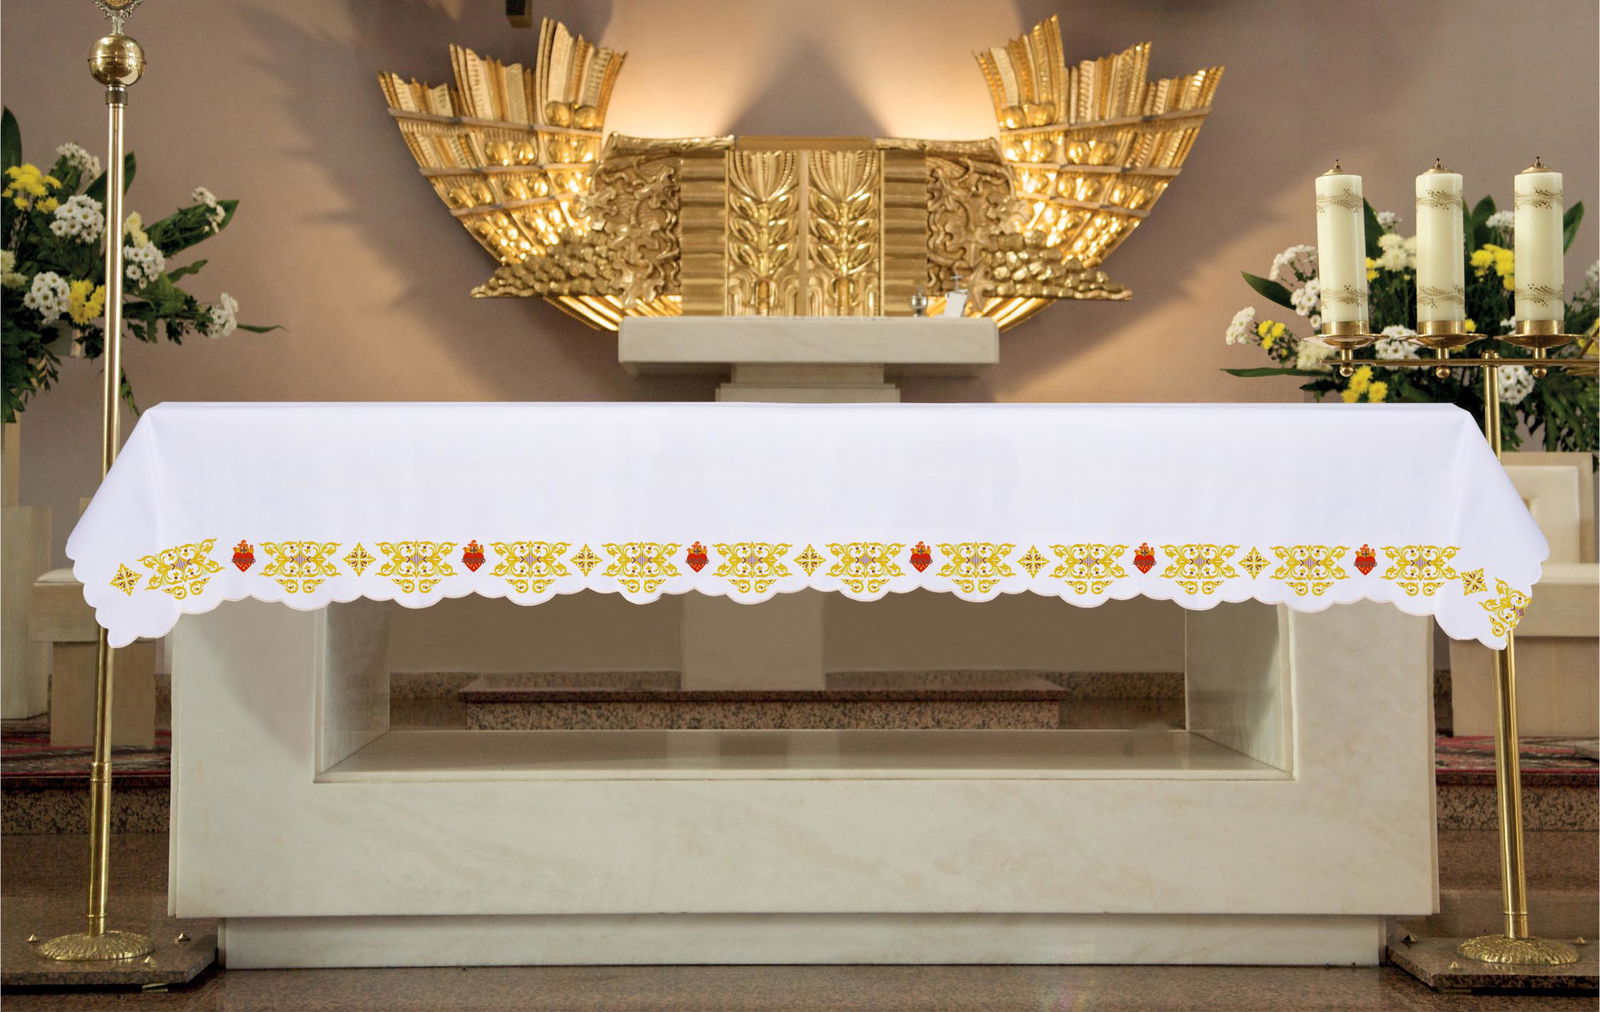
(116, 62)
(1517, 945)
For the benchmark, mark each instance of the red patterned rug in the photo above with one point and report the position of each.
(27, 759)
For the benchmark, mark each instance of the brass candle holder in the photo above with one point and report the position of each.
(1517, 945)
(1345, 336)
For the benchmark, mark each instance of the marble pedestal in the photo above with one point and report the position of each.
(808, 359)
(1292, 816)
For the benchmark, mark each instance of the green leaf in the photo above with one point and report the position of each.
(1373, 230)
(260, 330)
(186, 270)
(97, 189)
(1269, 289)
(1569, 225)
(10, 141)
(1477, 229)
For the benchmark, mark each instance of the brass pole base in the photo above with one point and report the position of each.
(111, 945)
(1526, 951)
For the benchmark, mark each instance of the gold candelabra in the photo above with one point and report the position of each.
(116, 61)
(1518, 945)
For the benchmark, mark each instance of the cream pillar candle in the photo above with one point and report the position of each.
(1441, 248)
(1538, 244)
(1341, 248)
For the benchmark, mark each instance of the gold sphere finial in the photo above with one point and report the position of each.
(116, 59)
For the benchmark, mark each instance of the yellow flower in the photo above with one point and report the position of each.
(1362, 377)
(1469, 326)
(86, 300)
(134, 229)
(1350, 395)
(1372, 269)
(48, 204)
(1377, 391)
(1501, 260)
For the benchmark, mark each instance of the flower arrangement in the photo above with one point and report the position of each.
(52, 267)
(1561, 407)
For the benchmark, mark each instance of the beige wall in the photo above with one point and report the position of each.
(274, 102)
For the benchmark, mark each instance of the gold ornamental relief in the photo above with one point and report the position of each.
(607, 227)
(762, 238)
(1544, 295)
(842, 221)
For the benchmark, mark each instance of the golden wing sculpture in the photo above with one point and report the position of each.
(623, 226)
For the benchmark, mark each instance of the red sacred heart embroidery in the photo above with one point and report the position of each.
(472, 555)
(921, 557)
(1366, 559)
(1144, 557)
(696, 558)
(243, 556)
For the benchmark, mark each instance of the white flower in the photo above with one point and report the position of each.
(214, 211)
(1297, 263)
(1592, 275)
(81, 218)
(221, 318)
(1243, 328)
(9, 276)
(1388, 220)
(1507, 325)
(49, 295)
(1502, 222)
(1396, 342)
(1312, 355)
(86, 164)
(1514, 383)
(1307, 299)
(1399, 253)
(144, 263)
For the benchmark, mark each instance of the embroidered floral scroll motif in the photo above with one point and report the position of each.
(1310, 570)
(1033, 561)
(358, 558)
(416, 567)
(1089, 568)
(183, 569)
(585, 559)
(1254, 563)
(810, 559)
(300, 565)
(1420, 569)
(125, 580)
(530, 566)
(641, 566)
(865, 566)
(753, 566)
(1472, 582)
(1199, 569)
(1506, 608)
(976, 566)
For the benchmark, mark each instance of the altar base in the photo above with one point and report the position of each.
(1286, 822)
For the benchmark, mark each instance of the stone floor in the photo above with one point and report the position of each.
(40, 890)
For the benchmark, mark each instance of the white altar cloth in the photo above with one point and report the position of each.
(1304, 505)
